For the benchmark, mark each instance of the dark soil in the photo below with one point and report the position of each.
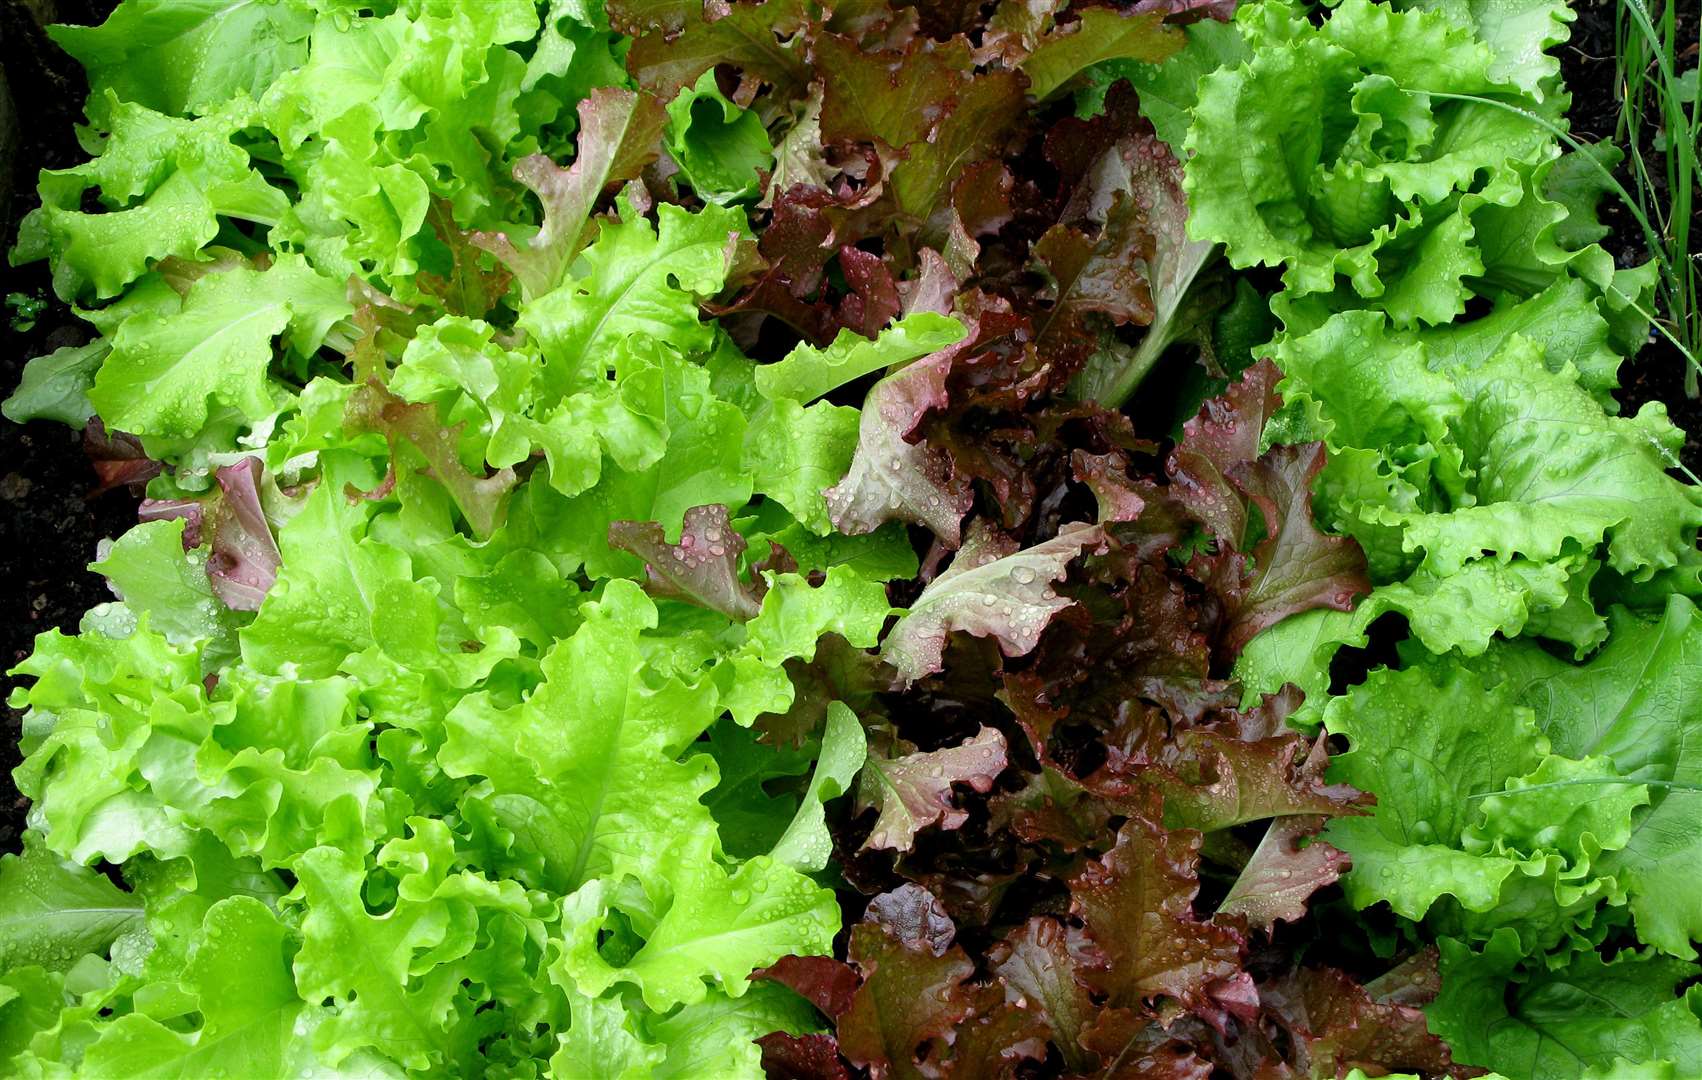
(49, 526)
(1586, 62)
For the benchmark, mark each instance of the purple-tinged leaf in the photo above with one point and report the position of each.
(873, 300)
(990, 590)
(245, 558)
(1136, 1047)
(481, 499)
(1099, 275)
(914, 916)
(1223, 435)
(1281, 876)
(702, 569)
(892, 478)
(1212, 780)
(922, 108)
(1335, 1026)
(1295, 567)
(620, 132)
(1053, 808)
(191, 510)
(1182, 12)
(1140, 168)
(933, 288)
(914, 791)
(980, 206)
(1106, 475)
(678, 40)
(995, 1040)
(117, 458)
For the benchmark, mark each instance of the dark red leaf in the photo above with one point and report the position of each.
(1036, 964)
(909, 997)
(995, 1040)
(1336, 1027)
(873, 300)
(980, 204)
(1053, 808)
(1295, 567)
(1094, 275)
(1224, 435)
(801, 1057)
(1135, 1047)
(117, 458)
(1137, 906)
(921, 109)
(823, 981)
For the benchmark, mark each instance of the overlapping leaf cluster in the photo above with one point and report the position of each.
(477, 548)
(554, 407)
(1122, 842)
(1453, 334)
(414, 734)
(1045, 793)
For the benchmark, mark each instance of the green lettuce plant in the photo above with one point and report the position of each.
(498, 633)
(1454, 335)
(417, 730)
(1397, 158)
